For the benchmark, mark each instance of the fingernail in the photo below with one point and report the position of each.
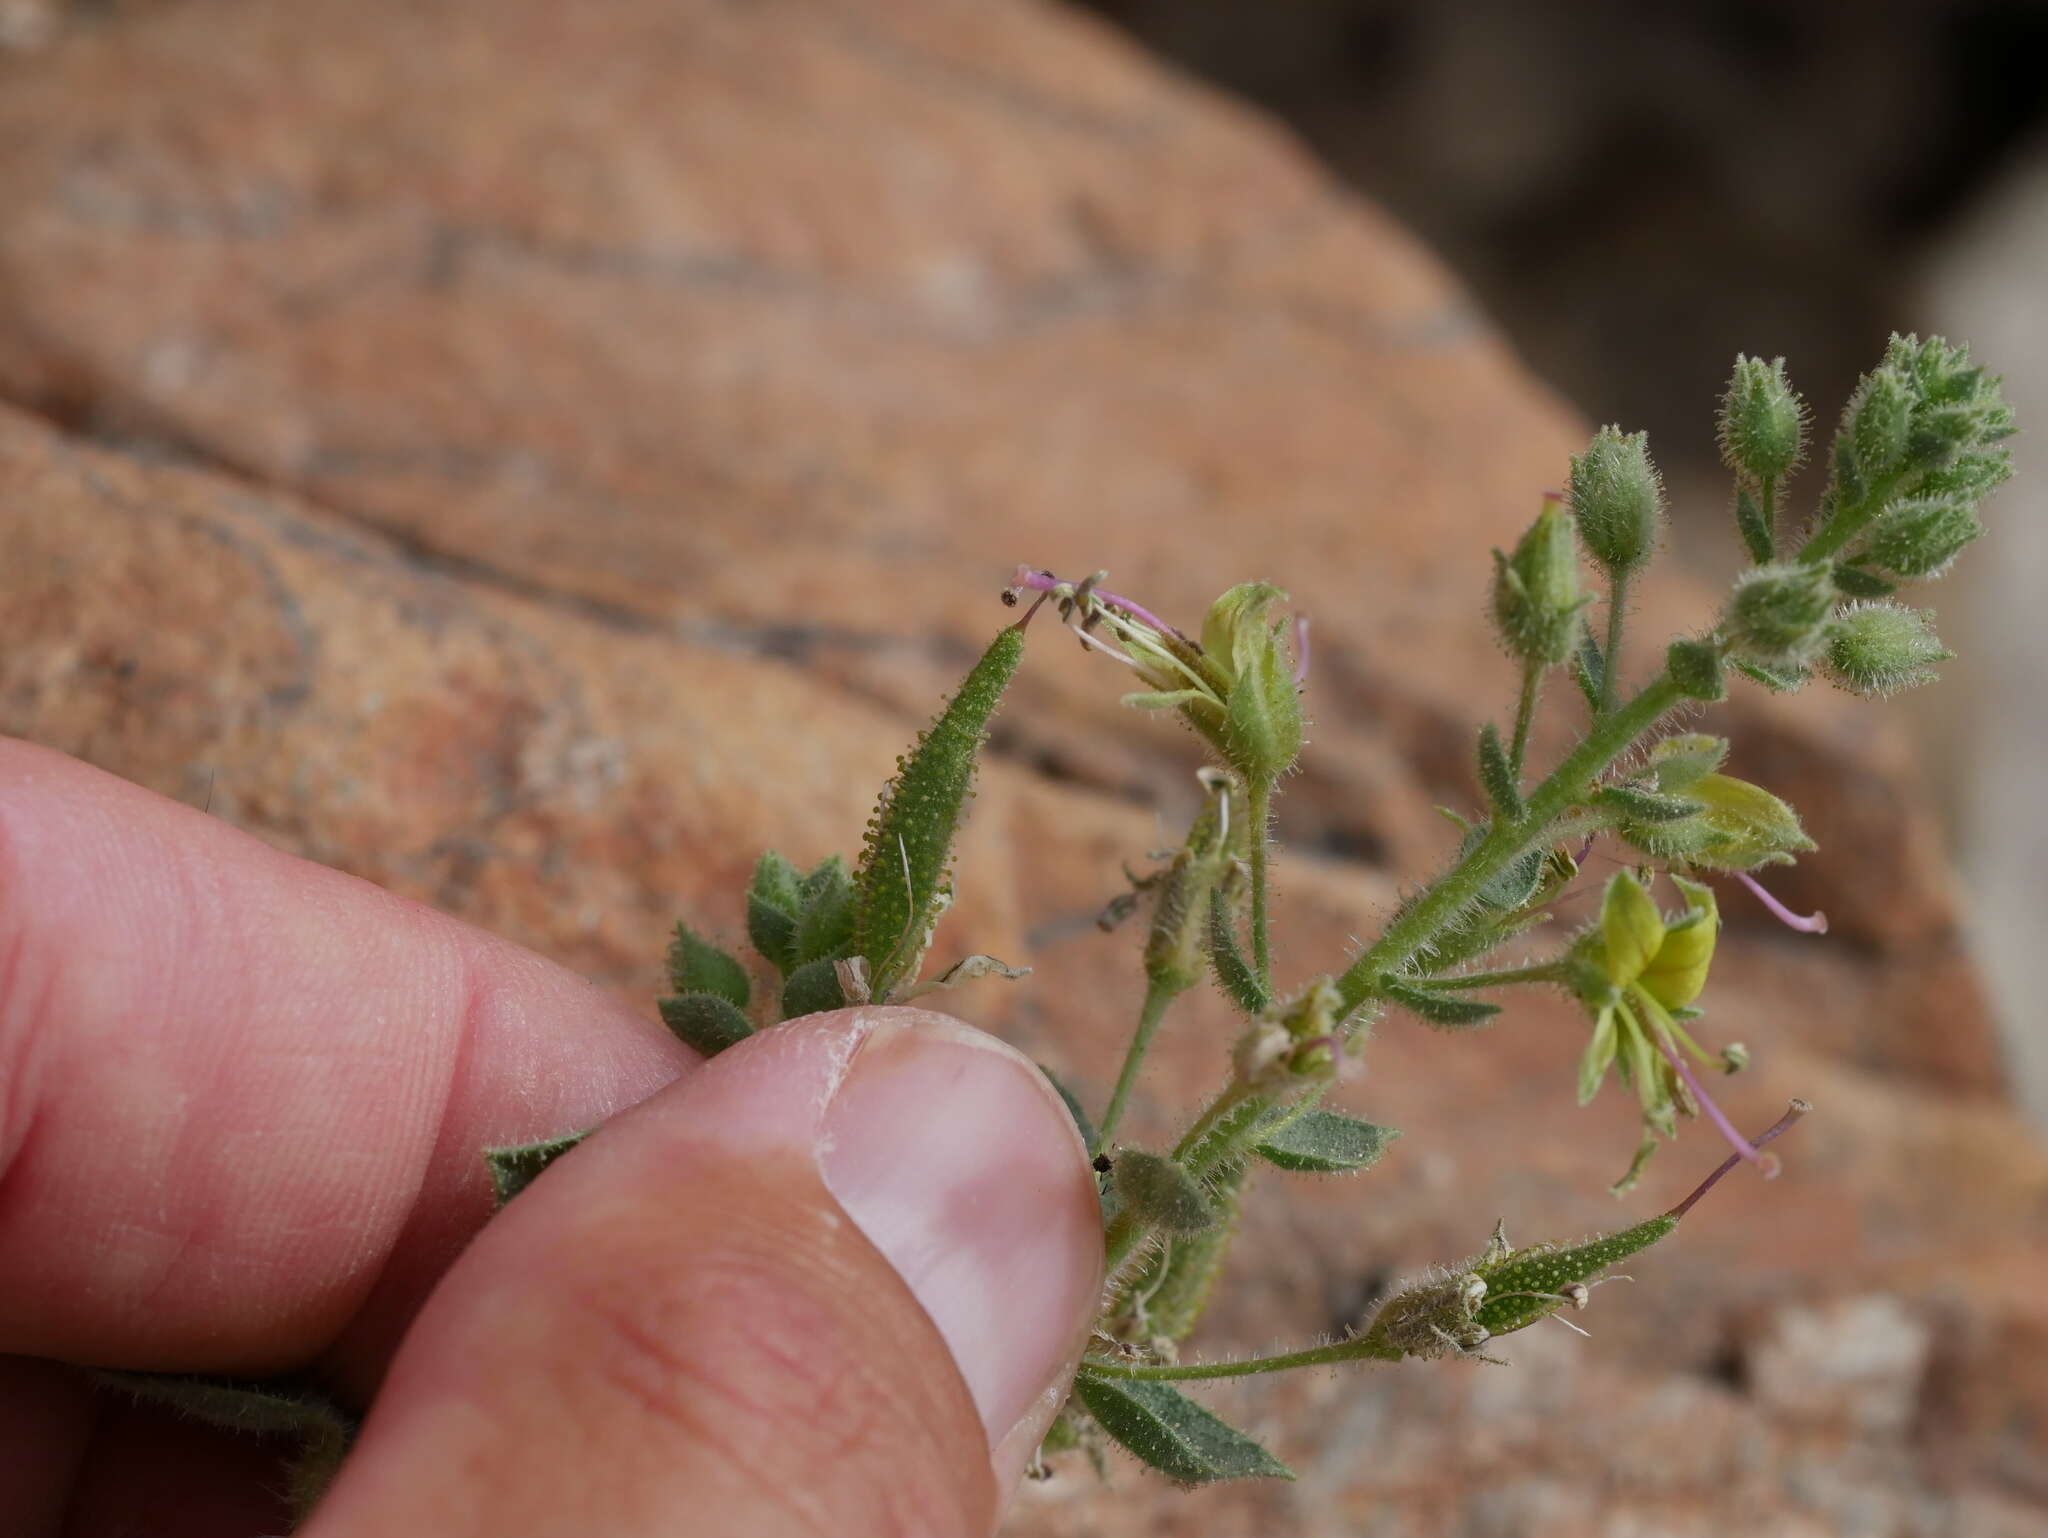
(957, 1160)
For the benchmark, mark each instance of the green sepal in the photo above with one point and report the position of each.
(774, 899)
(704, 1021)
(514, 1169)
(1163, 1428)
(1589, 667)
(1161, 1193)
(1855, 582)
(1681, 762)
(824, 926)
(812, 989)
(1449, 1011)
(1326, 1143)
(1233, 972)
(901, 886)
(1495, 775)
(1694, 666)
(1632, 804)
(1755, 528)
(1748, 826)
(1528, 1285)
(1779, 680)
(695, 965)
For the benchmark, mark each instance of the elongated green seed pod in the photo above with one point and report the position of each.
(901, 887)
(1529, 1284)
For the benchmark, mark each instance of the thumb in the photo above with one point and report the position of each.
(832, 1283)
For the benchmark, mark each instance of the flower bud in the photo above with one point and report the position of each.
(1261, 736)
(1879, 648)
(1536, 599)
(1880, 421)
(1918, 538)
(1618, 500)
(1763, 421)
(1778, 613)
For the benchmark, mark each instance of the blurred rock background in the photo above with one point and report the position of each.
(536, 456)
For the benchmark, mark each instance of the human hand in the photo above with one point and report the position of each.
(243, 1100)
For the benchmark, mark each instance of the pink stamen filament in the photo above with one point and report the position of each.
(1744, 1149)
(1797, 1109)
(1046, 582)
(1810, 924)
(1300, 650)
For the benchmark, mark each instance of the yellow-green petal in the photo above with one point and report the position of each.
(1631, 929)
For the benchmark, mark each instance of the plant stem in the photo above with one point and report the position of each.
(1767, 498)
(1405, 937)
(1219, 1133)
(1848, 522)
(1535, 972)
(1258, 800)
(1525, 712)
(1617, 616)
(1157, 996)
(1359, 1349)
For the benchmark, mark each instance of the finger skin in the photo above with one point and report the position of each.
(677, 1330)
(243, 1096)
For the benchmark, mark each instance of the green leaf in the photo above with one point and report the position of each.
(824, 928)
(1081, 1122)
(1516, 882)
(812, 989)
(1162, 1193)
(1451, 1010)
(1160, 1426)
(255, 1407)
(1326, 1143)
(774, 899)
(513, 1169)
(1495, 775)
(901, 886)
(704, 1021)
(1232, 970)
(695, 965)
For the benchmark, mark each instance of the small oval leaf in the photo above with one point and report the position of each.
(1326, 1143)
(1160, 1426)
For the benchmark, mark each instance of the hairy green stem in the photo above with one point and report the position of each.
(1258, 800)
(1358, 1349)
(1157, 996)
(1617, 617)
(1404, 939)
(1525, 712)
(1767, 499)
(1848, 522)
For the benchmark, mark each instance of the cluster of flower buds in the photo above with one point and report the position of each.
(1920, 446)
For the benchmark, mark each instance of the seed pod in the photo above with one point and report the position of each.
(902, 885)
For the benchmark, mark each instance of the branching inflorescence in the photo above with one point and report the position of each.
(1918, 449)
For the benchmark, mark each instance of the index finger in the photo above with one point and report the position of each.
(242, 1096)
